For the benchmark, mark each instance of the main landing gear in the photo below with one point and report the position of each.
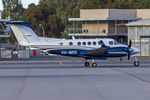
(87, 64)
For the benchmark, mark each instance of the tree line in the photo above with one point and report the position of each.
(54, 14)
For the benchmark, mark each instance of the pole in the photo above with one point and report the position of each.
(42, 29)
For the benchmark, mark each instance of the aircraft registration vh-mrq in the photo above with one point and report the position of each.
(85, 48)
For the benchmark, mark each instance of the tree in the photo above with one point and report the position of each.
(12, 8)
(45, 14)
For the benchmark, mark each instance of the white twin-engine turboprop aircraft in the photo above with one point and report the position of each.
(85, 48)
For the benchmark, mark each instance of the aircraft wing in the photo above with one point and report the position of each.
(98, 51)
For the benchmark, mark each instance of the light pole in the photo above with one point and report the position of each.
(42, 29)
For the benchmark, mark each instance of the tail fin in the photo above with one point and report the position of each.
(24, 33)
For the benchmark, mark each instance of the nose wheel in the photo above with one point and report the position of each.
(136, 63)
(94, 64)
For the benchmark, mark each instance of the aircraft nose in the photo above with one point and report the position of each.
(135, 50)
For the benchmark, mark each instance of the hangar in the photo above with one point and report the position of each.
(139, 33)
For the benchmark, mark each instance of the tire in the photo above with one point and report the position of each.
(136, 63)
(94, 64)
(87, 64)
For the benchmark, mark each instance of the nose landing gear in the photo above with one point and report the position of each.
(136, 62)
(94, 64)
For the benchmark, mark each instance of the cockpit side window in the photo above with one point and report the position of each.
(111, 42)
(116, 43)
(100, 42)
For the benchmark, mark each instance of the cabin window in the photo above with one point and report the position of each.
(60, 43)
(79, 43)
(89, 43)
(70, 43)
(83, 43)
(111, 42)
(94, 43)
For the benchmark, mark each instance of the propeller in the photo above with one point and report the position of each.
(129, 53)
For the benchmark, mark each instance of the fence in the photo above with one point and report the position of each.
(20, 54)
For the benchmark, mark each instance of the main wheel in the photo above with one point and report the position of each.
(94, 64)
(136, 63)
(87, 64)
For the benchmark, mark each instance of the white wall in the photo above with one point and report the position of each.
(0, 15)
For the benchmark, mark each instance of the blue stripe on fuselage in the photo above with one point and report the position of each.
(110, 52)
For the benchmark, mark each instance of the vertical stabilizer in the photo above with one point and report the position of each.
(24, 34)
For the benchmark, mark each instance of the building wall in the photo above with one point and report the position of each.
(93, 27)
(107, 27)
(143, 13)
(104, 27)
(134, 34)
(109, 13)
(94, 13)
(0, 15)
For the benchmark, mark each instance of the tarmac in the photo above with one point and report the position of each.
(65, 78)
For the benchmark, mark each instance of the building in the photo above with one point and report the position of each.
(5, 30)
(139, 33)
(106, 22)
(0, 14)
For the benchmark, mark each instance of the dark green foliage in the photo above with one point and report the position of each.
(44, 14)
(12, 8)
(54, 14)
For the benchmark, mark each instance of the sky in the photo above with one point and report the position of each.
(24, 2)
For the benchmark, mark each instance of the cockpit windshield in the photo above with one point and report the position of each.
(116, 43)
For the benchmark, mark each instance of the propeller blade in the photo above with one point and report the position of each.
(129, 55)
(128, 51)
(130, 44)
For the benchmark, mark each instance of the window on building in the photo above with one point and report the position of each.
(85, 31)
(94, 43)
(83, 43)
(89, 43)
(70, 43)
(79, 43)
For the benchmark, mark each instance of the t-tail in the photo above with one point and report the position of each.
(23, 33)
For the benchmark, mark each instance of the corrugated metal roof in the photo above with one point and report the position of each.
(97, 34)
(101, 19)
(144, 22)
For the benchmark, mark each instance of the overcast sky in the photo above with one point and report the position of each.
(24, 2)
